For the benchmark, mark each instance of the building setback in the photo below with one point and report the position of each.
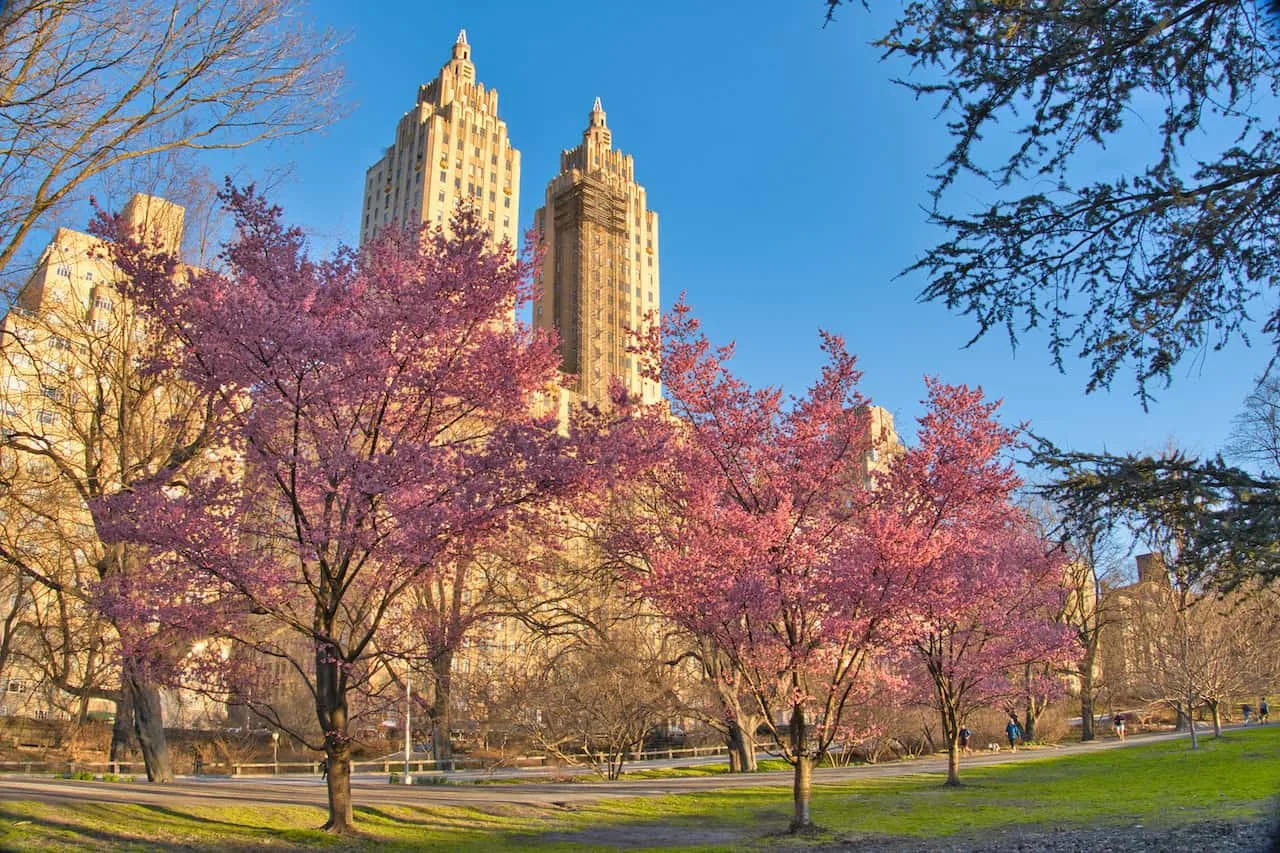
(599, 274)
(450, 147)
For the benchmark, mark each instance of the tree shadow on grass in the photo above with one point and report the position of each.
(158, 828)
(427, 817)
(741, 831)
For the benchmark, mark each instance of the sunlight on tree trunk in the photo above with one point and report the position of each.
(441, 743)
(800, 818)
(149, 725)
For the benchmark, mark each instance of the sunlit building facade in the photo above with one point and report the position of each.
(451, 147)
(599, 277)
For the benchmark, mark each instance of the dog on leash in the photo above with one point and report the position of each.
(993, 747)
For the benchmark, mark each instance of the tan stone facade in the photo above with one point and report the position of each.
(600, 272)
(450, 147)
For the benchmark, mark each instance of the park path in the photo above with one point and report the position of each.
(374, 790)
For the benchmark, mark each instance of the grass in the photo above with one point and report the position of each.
(1156, 784)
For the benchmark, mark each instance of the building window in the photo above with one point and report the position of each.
(47, 417)
(494, 158)
(59, 342)
(440, 196)
(443, 177)
(64, 271)
(506, 202)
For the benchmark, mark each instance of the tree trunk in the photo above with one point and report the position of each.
(122, 730)
(341, 814)
(951, 732)
(733, 739)
(441, 745)
(1086, 702)
(1184, 718)
(148, 722)
(742, 748)
(953, 761)
(801, 818)
(1216, 710)
(331, 713)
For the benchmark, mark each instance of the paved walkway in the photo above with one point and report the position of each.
(371, 790)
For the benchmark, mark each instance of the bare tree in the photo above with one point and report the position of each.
(1093, 569)
(1255, 432)
(1235, 647)
(595, 702)
(83, 421)
(89, 86)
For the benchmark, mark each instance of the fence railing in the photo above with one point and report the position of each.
(381, 765)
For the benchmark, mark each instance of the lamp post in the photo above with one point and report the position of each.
(275, 753)
(408, 728)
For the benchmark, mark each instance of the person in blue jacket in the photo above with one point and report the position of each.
(1014, 731)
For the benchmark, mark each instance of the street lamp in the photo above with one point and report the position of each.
(275, 753)
(408, 728)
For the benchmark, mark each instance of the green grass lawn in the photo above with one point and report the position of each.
(1156, 784)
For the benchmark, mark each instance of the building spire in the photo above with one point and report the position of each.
(461, 50)
(597, 116)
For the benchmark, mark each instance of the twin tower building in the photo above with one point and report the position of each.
(599, 275)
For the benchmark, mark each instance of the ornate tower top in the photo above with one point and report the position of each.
(462, 50)
(597, 131)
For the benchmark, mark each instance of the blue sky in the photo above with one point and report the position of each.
(789, 173)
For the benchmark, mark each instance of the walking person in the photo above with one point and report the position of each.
(1246, 709)
(1118, 720)
(965, 735)
(1262, 711)
(1014, 731)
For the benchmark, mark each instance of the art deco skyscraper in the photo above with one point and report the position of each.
(600, 272)
(450, 146)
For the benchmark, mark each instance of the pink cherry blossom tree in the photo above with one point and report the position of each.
(382, 431)
(759, 547)
(985, 586)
